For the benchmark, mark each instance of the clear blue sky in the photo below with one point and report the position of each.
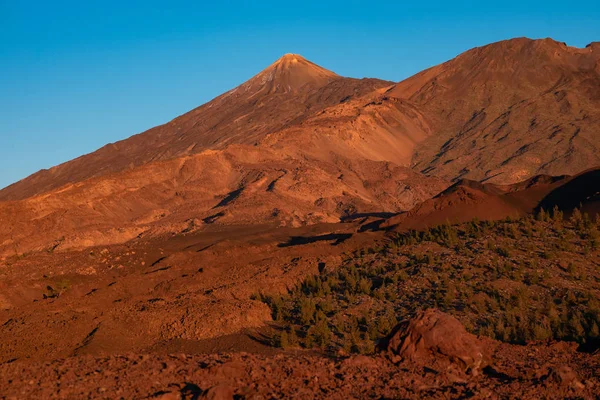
(75, 75)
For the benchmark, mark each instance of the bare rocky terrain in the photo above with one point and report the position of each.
(307, 235)
(533, 372)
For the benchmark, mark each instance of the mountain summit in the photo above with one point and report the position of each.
(291, 73)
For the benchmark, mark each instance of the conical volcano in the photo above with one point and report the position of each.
(290, 74)
(288, 91)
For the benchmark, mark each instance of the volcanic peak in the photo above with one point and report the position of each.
(289, 74)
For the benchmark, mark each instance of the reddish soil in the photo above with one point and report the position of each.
(176, 317)
(158, 294)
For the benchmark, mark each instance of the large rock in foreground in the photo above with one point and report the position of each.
(438, 340)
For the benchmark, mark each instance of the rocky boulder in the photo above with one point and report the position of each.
(437, 340)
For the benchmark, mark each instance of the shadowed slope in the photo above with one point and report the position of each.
(583, 191)
(467, 200)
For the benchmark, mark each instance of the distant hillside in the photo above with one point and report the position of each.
(508, 111)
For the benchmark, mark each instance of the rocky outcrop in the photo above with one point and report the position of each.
(437, 340)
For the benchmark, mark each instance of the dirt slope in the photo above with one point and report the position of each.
(242, 185)
(467, 200)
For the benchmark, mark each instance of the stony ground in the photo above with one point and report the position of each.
(535, 372)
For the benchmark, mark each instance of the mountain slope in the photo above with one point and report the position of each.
(328, 163)
(242, 185)
(508, 111)
(287, 91)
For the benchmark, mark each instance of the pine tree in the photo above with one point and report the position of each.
(557, 215)
(541, 215)
(307, 310)
(284, 342)
(594, 331)
(576, 219)
(293, 338)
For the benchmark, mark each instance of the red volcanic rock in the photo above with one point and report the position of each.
(167, 396)
(221, 392)
(295, 376)
(436, 338)
(564, 376)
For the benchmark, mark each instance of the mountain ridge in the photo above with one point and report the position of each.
(297, 144)
(517, 96)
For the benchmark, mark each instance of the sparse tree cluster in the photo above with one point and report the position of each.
(512, 280)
